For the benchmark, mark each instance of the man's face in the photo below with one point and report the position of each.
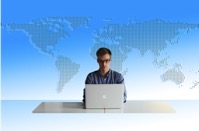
(104, 62)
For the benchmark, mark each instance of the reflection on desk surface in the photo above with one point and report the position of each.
(138, 106)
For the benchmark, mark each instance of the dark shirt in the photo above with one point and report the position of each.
(112, 77)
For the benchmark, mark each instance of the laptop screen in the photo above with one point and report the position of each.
(104, 95)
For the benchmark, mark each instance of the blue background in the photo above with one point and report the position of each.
(28, 74)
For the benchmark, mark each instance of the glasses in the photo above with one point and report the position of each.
(102, 61)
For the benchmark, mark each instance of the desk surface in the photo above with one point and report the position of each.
(129, 107)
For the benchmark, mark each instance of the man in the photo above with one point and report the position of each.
(104, 75)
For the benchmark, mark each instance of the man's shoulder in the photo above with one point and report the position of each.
(112, 72)
(90, 77)
(93, 72)
(115, 72)
(118, 77)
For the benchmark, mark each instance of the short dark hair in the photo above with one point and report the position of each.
(102, 51)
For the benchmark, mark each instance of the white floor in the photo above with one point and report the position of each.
(17, 116)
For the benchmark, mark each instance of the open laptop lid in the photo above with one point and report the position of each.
(104, 95)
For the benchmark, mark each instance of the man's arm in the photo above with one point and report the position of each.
(87, 81)
(83, 95)
(121, 81)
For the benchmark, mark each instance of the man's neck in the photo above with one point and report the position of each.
(104, 73)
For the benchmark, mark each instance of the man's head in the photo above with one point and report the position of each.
(104, 59)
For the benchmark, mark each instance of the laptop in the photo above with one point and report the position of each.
(104, 96)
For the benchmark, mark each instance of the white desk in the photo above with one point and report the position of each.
(129, 107)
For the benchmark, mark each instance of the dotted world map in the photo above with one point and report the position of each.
(152, 35)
